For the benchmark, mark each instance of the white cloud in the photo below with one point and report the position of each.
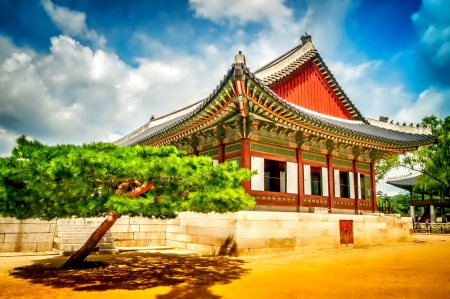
(432, 101)
(433, 24)
(75, 94)
(243, 11)
(7, 141)
(72, 22)
(7, 48)
(372, 97)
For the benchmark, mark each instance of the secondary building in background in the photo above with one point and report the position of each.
(292, 122)
(428, 199)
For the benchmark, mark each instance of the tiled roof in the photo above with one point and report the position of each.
(405, 183)
(356, 128)
(145, 134)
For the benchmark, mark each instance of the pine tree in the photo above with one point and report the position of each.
(105, 180)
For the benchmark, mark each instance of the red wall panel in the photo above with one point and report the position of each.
(306, 88)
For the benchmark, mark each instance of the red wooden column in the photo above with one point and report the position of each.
(221, 153)
(330, 182)
(300, 176)
(245, 160)
(372, 182)
(355, 182)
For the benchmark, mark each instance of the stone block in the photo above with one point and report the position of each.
(272, 224)
(118, 236)
(2, 238)
(81, 228)
(44, 246)
(292, 224)
(173, 229)
(145, 220)
(200, 248)
(280, 242)
(149, 235)
(267, 233)
(176, 244)
(160, 242)
(28, 238)
(215, 241)
(9, 220)
(151, 228)
(225, 216)
(124, 243)
(139, 243)
(194, 215)
(260, 251)
(224, 232)
(303, 233)
(123, 220)
(18, 247)
(175, 221)
(25, 228)
(53, 227)
(195, 230)
(125, 228)
(81, 221)
(251, 243)
(265, 216)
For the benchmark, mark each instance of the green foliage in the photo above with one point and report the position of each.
(399, 203)
(433, 162)
(39, 181)
(382, 167)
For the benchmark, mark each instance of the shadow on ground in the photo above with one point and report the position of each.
(190, 275)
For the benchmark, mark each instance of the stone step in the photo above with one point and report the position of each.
(90, 222)
(80, 240)
(75, 247)
(80, 228)
(68, 253)
(62, 234)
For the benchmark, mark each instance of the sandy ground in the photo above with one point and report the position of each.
(414, 270)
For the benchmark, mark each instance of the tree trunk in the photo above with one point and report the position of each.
(93, 240)
(98, 234)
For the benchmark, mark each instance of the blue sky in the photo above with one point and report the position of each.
(82, 71)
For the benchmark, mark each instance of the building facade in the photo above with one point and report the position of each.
(292, 122)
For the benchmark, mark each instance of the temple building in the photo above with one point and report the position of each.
(292, 122)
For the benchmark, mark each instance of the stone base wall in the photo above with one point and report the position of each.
(139, 232)
(237, 234)
(258, 232)
(31, 235)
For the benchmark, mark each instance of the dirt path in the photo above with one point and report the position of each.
(416, 270)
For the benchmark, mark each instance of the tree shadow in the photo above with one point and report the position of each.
(190, 275)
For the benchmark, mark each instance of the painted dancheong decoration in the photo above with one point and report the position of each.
(291, 121)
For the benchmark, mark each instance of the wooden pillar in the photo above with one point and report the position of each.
(300, 175)
(221, 153)
(374, 191)
(355, 182)
(330, 182)
(245, 160)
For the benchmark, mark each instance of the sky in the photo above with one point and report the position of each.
(83, 71)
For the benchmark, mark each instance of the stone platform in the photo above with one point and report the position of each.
(237, 234)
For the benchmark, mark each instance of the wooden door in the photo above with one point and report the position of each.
(346, 231)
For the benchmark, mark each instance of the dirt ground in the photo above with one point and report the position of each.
(414, 270)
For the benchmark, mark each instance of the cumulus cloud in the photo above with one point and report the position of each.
(241, 12)
(72, 23)
(75, 94)
(432, 101)
(433, 24)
